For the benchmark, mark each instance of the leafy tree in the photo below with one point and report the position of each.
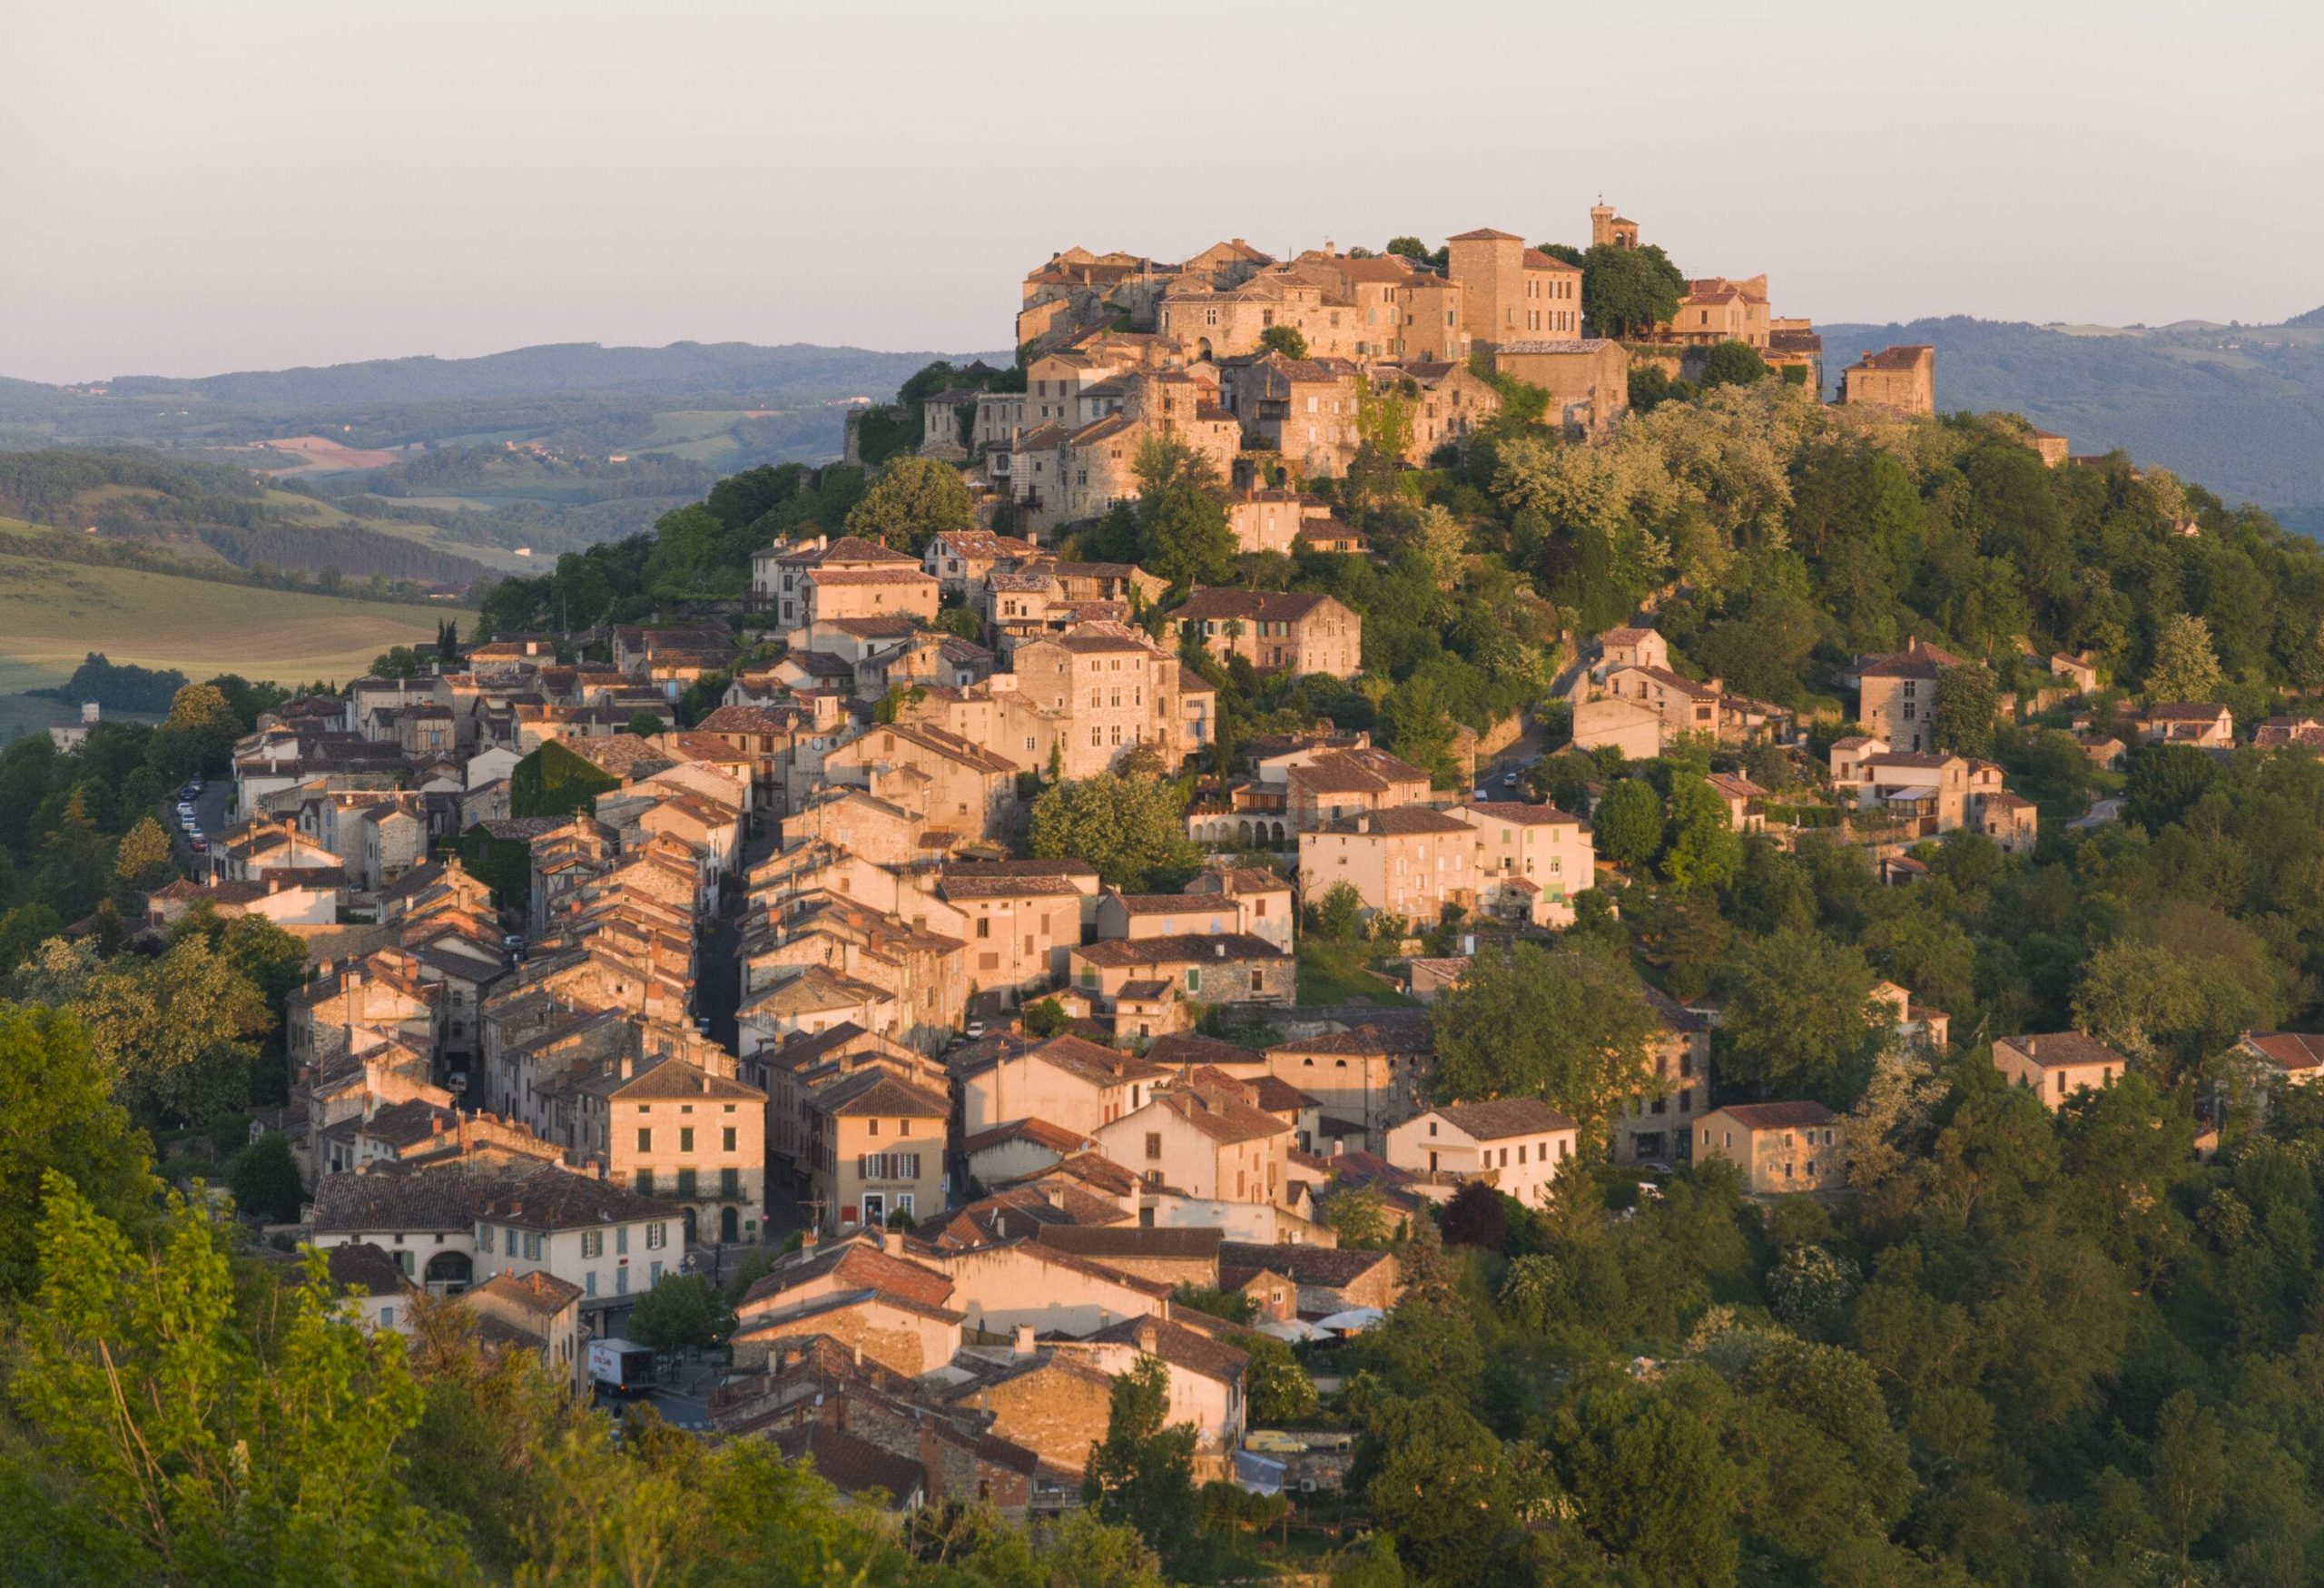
(1338, 916)
(145, 854)
(1142, 1473)
(1232, 1305)
(1474, 1217)
(1652, 1485)
(910, 502)
(644, 724)
(175, 1034)
(1045, 1018)
(1627, 291)
(1414, 250)
(1628, 823)
(23, 929)
(1961, 717)
(1276, 1389)
(962, 623)
(1568, 1025)
(1182, 533)
(1704, 850)
(1732, 363)
(2165, 781)
(1359, 1216)
(1286, 340)
(684, 1312)
(264, 1179)
(1438, 1482)
(2185, 666)
(1131, 828)
(1650, 387)
(58, 1119)
(1798, 1022)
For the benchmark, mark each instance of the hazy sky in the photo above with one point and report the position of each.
(254, 184)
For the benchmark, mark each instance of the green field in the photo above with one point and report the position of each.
(52, 614)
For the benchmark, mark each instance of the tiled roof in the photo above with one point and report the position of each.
(2288, 1050)
(1223, 1119)
(2058, 1048)
(1504, 1117)
(875, 1091)
(1219, 603)
(361, 1263)
(1039, 1132)
(539, 1292)
(1396, 822)
(1178, 949)
(852, 1465)
(859, 1264)
(1102, 1241)
(1399, 1037)
(1330, 1267)
(1778, 1116)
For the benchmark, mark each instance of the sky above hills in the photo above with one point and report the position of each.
(260, 184)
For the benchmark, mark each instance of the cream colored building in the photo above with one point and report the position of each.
(1517, 1146)
(1782, 1147)
(1020, 918)
(875, 1147)
(1410, 862)
(1204, 1142)
(1588, 378)
(2055, 1066)
(1897, 694)
(1904, 379)
(1299, 632)
(1511, 292)
(1536, 844)
(1071, 1083)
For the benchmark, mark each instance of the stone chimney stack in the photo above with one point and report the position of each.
(1024, 1345)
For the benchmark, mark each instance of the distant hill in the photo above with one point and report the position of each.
(2238, 409)
(550, 448)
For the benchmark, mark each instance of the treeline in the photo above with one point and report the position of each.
(118, 685)
(348, 550)
(47, 487)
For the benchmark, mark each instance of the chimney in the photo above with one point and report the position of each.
(1363, 823)
(807, 1239)
(1220, 949)
(1024, 1346)
(892, 1241)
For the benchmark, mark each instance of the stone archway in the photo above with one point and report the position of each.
(730, 1225)
(449, 1273)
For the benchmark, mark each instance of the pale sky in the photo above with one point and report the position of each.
(192, 188)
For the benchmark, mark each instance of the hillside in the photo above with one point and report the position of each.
(53, 613)
(2240, 408)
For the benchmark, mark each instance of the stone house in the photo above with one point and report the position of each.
(1658, 1127)
(1631, 727)
(1363, 1080)
(2055, 1066)
(1077, 1086)
(1328, 785)
(1262, 900)
(1897, 693)
(1510, 292)
(1718, 309)
(944, 779)
(1630, 647)
(1021, 918)
(1272, 520)
(2205, 725)
(1329, 1279)
(1228, 968)
(1588, 379)
(1746, 812)
(781, 576)
(1516, 1145)
(1045, 1400)
(1299, 632)
(1902, 377)
(1781, 1147)
(875, 1147)
(1303, 409)
(1205, 1141)
(1110, 694)
(895, 1331)
(1018, 1148)
(960, 560)
(536, 1312)
(1409, 861)
(1540, 845)
(1023, 1283)
(1929, 793)
(682, 1134)
(1686, 706)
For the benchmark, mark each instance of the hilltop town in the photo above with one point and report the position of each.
(1086, 898)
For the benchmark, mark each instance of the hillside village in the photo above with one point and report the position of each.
(1026, 968)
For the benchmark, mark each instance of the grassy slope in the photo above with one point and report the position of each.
(52, 614)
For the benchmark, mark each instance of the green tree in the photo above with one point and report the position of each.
(58, 1118)
(2185, 666)
(215, 1463)
(1132, 828)
(684, 1312)
(175, 1034)
(644, 724)
(264, 1179)
(1045, 1018)
(1276, 1389)
(1182, 532)
(1962, 716)
(2165, 781)
(1798, 1022)
(146, 855)
(1650, 387)
(1338, 916)
(1628, 823)
(554, 781)
(1732, 363)
(1651, 1485)
(1359, 1216)
(1569, 1025)
(1142, 1473)
(1440, 1484)
(962, 623)
(1704, 851)
(1287, 339)
(910, 502)
(1627, 291)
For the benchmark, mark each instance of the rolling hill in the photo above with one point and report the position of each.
(2238, 408)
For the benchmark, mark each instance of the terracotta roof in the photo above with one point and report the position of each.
(1778, 1116)
(1504, 1117)
(361, 1263)
(1177, 1345)
(1330, 1266)
(847, 578)
(1898, 358)
(1917, 660)
(1222, 1119)
(1219, 603)
(2056, 1050)
(1101, 1242)
(1180, 948)
(1012, 879)
(1398, 1037)
(1484, 234)
(1039, 1132)
(1396, 822)
(2288, 1050)
(852, 1465)
(1184, 1049)
(875, 1091)
(859, 1264)
(1523, 815)
(539, 1292)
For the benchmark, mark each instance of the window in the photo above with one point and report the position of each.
(686, 1138)
(657, 1235)
(386, 1318)
(730, 1183)
(984, 926)
(728, 1143)
(653, 1275)
(621, 1281)
(589, 1283)
(484, 1237)
(644, 1138)
(1154, 1144)
(621, 1240)
(592, 1243)
(1193, 977)
(685, 1184)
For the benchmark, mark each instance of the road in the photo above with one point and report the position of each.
(209, 815)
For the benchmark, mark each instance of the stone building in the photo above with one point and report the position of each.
(1903, 378)
(1299, 632)
(1510, 292)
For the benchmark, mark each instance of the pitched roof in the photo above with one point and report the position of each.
(1396, 822)
(1177, 1345)
(1778, 1116)
(1504, 1117)
(1131, 1240)
(859, 1264)
(1332, 1267)
(1039, 1132)
(1484, 234)
(1225, 1120)
(875, 1091)
(363, 1263)
(1399, 1037)
(852, 1465)
(539, 1292)
(1219, 603)
(1178, 949)
(2057, 1049)
(2288, 1050)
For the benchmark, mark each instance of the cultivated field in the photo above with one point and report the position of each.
(52, 614)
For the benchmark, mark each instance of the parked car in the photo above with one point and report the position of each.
(185, 807)
(1509, 778)
(199, 842)
(975, 1029)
